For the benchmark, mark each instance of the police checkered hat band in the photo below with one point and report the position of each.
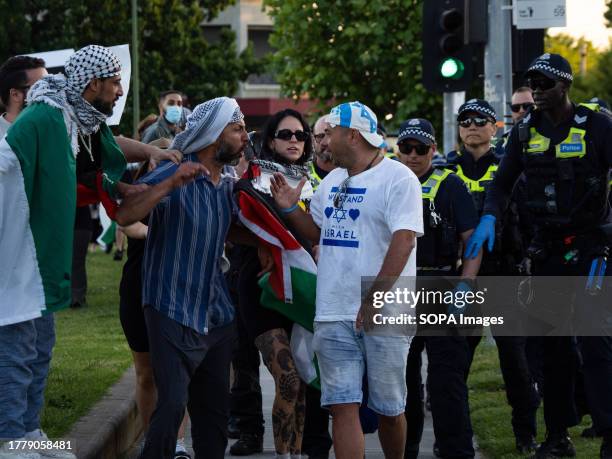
(479, 106)
(90, 62)
(411, 132)
(553, 66)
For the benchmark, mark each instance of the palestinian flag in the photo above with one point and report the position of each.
(291, 286)
(37, 211)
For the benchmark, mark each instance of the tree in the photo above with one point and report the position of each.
(590, 84)
(336, 51)
(173, 50)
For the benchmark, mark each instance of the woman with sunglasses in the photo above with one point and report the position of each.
(286, 139)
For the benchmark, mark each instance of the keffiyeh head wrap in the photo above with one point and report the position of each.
(91, 62)
(65, 91)
(205, 124)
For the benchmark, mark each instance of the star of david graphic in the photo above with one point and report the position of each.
(339, 214)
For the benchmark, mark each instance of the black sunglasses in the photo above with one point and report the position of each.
(480, 122)
(286, 134)
(341, 193)
(517, 107)
(406, 148)
(541, 83)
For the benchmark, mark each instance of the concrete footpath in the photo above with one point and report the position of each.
(112, 428)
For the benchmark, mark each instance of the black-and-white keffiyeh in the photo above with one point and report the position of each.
(66, 91)
(205, 124)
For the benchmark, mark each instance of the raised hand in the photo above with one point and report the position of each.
(187, 173)
(284, 195)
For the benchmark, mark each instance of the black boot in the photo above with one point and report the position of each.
(556, 445)
(526, 445)
(247, 444)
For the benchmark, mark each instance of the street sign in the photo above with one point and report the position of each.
(539, 14)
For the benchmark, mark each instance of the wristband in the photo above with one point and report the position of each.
(289, 209)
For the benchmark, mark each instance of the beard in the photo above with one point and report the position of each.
(106, 108)
(226, 155)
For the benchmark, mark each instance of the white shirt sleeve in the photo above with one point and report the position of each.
(404, 205)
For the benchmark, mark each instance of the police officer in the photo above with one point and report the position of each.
(450, 218)
(565, 153)
(317, 442)
(322, 163)
(476, 164)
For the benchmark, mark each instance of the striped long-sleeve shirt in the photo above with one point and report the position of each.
(182, 276)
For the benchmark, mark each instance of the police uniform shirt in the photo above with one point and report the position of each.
(599, 132)
(453, 201)
(473, 168)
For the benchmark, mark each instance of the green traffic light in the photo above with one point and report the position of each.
(452, 68)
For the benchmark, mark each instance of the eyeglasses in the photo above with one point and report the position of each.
(541, 83)
(319, 137)
(517, 107)
(407, 148)
(341, 193)
(480, 122)
(286, 134)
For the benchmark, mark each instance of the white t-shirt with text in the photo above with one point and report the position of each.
(356, 235)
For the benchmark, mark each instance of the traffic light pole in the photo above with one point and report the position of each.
(452, 102)
(498, 57)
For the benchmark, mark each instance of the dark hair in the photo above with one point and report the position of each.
(163, 95)
(269, 131)
(13, 74)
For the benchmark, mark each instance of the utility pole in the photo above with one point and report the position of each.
(498, 57)
(135, 69)
(452, 102)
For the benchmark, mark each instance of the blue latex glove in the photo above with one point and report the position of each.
(461, 286)
(485, 231)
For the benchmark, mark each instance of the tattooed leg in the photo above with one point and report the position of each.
(288, 409)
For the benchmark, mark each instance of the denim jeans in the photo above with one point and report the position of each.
(25, 354)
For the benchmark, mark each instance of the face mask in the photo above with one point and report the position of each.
(173, 114)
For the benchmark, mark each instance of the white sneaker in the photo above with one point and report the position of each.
(50, 449)
(11, 450)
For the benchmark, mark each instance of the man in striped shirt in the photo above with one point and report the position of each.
(188, 310)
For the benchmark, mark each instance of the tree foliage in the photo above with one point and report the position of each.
(595, 82)
(173, 51)
(336, 51)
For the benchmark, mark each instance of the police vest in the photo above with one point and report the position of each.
(478, 187)
(567, 187)
(315, 179)
(439, 246)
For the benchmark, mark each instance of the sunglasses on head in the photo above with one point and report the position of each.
(541, 83)
(420, 149)
(286, 134)
(517, 107)
(478, 121)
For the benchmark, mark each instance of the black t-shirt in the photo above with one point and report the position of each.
(86, 169)
(130, 288)
(320, 172)
(453, 201)
(598, 131)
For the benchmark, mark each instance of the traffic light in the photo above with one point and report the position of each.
(447, 53)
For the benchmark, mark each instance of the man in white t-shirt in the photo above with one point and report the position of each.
(365, 217)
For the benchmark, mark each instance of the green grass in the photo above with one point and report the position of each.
(90, 353)
(491, 413)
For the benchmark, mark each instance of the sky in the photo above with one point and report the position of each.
(585, 19)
